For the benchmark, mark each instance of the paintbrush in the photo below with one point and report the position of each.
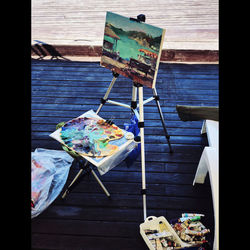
(110, 121)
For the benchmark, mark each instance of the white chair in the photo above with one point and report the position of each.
(209, 162)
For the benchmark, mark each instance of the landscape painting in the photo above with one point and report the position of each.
(132, 49)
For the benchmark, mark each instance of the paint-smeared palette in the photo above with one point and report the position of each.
(123, 145)
(90, 136)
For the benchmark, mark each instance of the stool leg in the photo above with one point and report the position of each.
(68, 188)
(78, 175)
(100, 183)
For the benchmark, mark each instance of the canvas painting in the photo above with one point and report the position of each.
(132, 49)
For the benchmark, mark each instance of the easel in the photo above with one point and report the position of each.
(140, 116)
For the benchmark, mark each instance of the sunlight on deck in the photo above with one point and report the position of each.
(188, 24)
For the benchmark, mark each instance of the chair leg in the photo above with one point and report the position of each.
(202, 170)
(203, 128)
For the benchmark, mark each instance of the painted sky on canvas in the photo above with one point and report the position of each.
(128, 25)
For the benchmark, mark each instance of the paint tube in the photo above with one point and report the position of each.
(196, 225)
(152, 241)
(178, 227)
(198, 242)
(185, 237)
(159, 235)
(172, 243)
(186, 223)
(158, 244)
(192, 232)
(195, 233)
(191, 215)
(182, 219)
(205, 231)
(164, 242)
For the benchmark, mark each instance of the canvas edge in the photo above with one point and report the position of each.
(158, 59)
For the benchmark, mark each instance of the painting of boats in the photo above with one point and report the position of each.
(132, 49)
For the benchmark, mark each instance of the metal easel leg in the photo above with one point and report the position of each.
(104, 99)
(156, 97)
(141, 126)
(134, 97)
(134, 100)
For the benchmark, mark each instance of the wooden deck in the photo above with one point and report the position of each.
(76, 27)
(87, 219)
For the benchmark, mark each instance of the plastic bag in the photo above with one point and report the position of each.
(133, 127)
(49, 172)
(119, 157)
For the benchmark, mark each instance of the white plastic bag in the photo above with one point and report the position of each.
(119, 157)
(49, 172)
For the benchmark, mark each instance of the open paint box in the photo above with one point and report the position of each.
(156, 231)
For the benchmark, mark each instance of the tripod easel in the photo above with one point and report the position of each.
(140, 117)
(137, 87)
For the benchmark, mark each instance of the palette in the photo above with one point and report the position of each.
(116, 145)
(90, 136)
